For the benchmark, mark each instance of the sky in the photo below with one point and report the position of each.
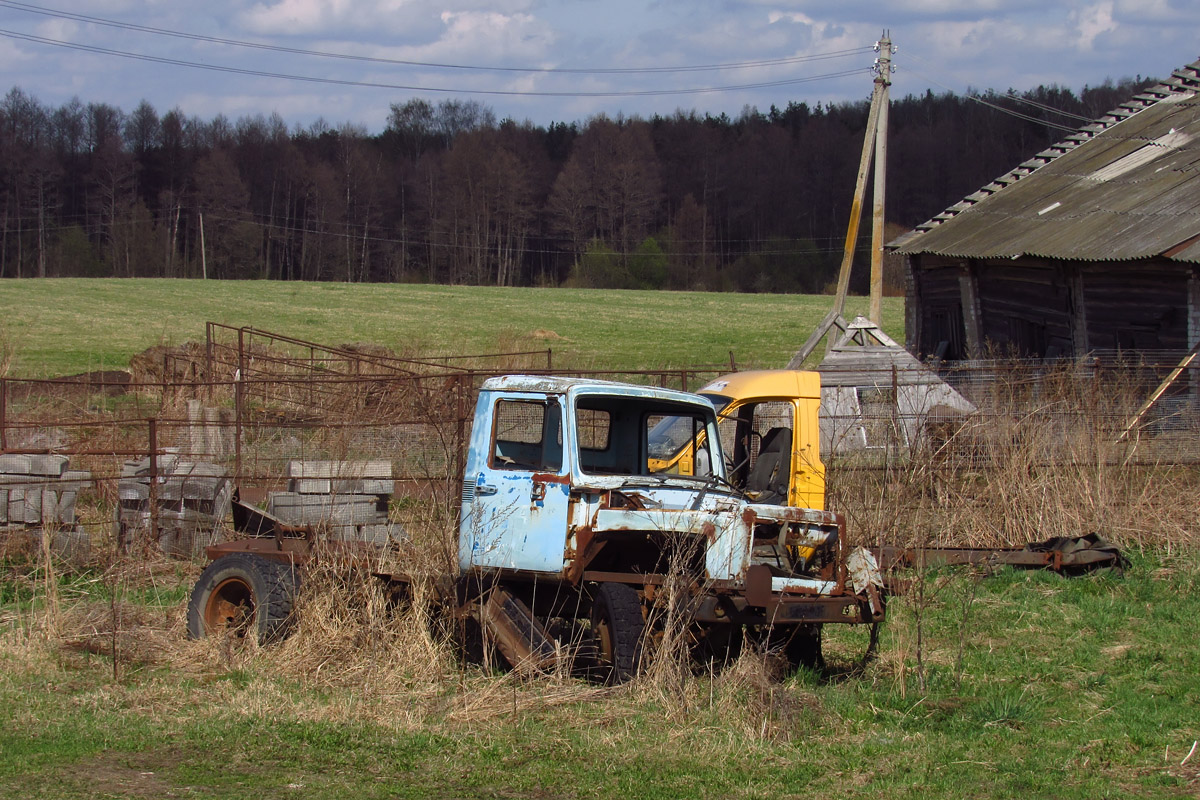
(567, 60)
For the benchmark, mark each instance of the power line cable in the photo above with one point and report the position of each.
(784, 61)
(433, 89)
(1012, 95)
(994, 106)
(998, 107)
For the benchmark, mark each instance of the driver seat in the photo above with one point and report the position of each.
(769, 477)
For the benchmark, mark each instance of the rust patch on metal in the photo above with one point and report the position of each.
(758, 585)
(613, 499)
(589, 547)
(292, 551)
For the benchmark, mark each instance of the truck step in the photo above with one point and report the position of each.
(520, 637)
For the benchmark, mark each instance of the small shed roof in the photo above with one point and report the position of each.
(1125, 187)
(865, 356)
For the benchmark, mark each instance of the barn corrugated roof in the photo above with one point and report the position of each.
(1122, 188)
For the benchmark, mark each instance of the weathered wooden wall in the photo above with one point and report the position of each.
(1042, 308)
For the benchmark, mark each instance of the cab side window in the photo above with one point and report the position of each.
(527, 435)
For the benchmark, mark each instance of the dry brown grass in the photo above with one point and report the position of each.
(1031, 465)
(1039, 459)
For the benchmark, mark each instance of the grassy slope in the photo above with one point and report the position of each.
(58, 327)
(1070, 688)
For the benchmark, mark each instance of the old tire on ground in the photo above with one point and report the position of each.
(617, 627)
(245, 595)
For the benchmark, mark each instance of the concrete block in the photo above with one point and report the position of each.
(66, 508)
(300, 509)
(342, 470)
(14, 464)
(18, 509)
(48, 507)
(310, 485)
(133, 492)
(341, 486)
(74, 480)
(374, 486)
(178, 487)
(54, 466)
(140, 468)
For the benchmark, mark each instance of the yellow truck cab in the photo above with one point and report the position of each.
(770, 433)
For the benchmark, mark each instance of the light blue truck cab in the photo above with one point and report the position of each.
(579, 536)
(559, 491)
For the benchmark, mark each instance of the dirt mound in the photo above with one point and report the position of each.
(182, 363)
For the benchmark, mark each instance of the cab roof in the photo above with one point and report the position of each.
(767, 383)
(553, 384)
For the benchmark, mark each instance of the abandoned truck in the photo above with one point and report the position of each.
(581, 531)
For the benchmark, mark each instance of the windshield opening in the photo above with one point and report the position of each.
(636, 436)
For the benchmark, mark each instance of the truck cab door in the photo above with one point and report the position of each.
(796, 477)
(515, 486)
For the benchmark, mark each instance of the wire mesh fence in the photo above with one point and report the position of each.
(106, 462)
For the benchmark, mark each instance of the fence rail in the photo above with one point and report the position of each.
(248, 426)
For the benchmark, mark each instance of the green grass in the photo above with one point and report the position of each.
(1069, 687)
(66, 326)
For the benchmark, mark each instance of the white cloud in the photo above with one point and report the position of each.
(985, 44)
(326, 17)
(1092, 21)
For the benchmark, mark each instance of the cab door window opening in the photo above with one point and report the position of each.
(527, 435)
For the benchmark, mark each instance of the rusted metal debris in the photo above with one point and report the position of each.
(1061, 554)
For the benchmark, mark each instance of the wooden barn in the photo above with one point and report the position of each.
(1093, 245)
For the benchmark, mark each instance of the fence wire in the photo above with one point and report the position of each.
(111, 463)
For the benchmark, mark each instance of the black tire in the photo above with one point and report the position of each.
(617, 627)
(803, 648)
(244, 595)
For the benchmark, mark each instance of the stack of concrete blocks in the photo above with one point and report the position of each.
(193, 497)
(349, 498)
(37, 495)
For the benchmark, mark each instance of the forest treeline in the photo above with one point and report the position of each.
(448, 194)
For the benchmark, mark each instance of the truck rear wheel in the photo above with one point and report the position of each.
(617, 627)
(245, 595)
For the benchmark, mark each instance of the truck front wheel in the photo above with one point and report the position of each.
(618, 627)
(245, 595)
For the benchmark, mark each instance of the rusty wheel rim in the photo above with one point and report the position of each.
(230, 607)
(604, 643)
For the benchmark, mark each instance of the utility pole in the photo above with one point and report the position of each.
(874, 147)
(883, 79)
(203, 258)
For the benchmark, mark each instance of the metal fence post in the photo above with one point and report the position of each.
(208, 359)
(3, 414)
(238, 400)
(153, 494)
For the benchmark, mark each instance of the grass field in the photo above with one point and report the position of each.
(60, 327)
(985, 686)
(1063, 687)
